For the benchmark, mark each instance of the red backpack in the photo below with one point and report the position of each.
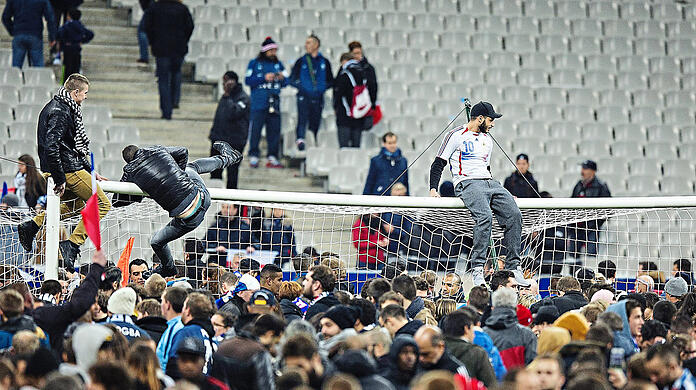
(361, 104)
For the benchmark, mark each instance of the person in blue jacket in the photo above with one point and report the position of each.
(631, 315)
(312, 76)
(195, 316)
(22, 19)
(399, 227)
(265, 78)
(278, 236)
(386, 167)
(71, 36)
(229, 231)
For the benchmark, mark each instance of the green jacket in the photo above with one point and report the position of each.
(474, 358)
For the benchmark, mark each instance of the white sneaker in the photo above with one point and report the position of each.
(56, 61)
(519, 277)
(477, 275)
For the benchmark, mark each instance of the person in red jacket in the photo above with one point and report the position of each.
(370, 241)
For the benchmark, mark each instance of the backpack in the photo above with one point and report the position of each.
(361, 104)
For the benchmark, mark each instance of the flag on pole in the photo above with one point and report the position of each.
(90, 214)
(4, 189)
(124, 260)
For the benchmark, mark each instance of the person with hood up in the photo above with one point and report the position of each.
(403, 362)
(386, 167)
(631, 315)
(14, 320)
(458, 328)
(517, 344)
(575, 323)
(121, 307)
(195, 316)
(362, 366)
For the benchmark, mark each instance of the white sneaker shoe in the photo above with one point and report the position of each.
(519, 277)
(477, 275)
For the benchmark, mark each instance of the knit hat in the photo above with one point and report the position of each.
(552, 339)
(250, 282)
(524, 316)
(575, 323)
(41, 363)
(122, 301)
(86, 341)
(676, 287)
(546, 314)
(344, 316)
(604, 295)
(268, 44)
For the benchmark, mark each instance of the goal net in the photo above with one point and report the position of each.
(560, 236)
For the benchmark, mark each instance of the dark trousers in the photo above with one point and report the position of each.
(27, 45)
(272, 122)
(169, 83)
(308, 113)
(232, 170)
(349, 137)
(72, 60)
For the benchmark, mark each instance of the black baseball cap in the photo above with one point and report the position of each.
(589, 164)
(522, 156)
(191, 346)
(485, 109)
(262, 298)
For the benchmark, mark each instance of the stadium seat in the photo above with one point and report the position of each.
(423, 90)
(445, 7)
(20, 146)
(502, 60)
(231, 32)
(416, 107)
(488, 92)
(667, 12)
(631, 81)
(501, 77)
(601, 62)
(587, 28)
(635, 11)
(458, 41)
(22, 130)
(676, 186)
(664, 64)
(629, 132)
(412, 6)
(100, 115)
(327, 139)
(123, 133)
(204, 32)
(663, 82)
(565, 78)
(507, 7)
(547, 112)
(344, 179)
(661, 150)
(404, 125)
(539, 8)
(520, 44)
(363, 35)
(518, 111)
(517, 94)
(397, 20)
(565, 130)
(304, 17)
(447, 108)
(422, 39)
(613, 165)
(582, 96)
(536, 61)
(9, 94)
(616, 97)
(391, 106)
(523, 25)
(684, 98)
(571, 9)
(403, 72)
(593, 148)
(528, 145)
(320, 161)
(36, 95)
(649, 47)
(455, 91)
(568, 61)
(618, 28)
(27, 112)
(647, 98)
(596, 131)
(555, 26)
(467, 75)
(645, 116)
(585, 45)
(353, 157)
(678, 116)
(39, 77)
(348, 5)
(643, 185)
(617, 46)
(560, 147)
(681, 29)
(493, 23)
(678, 168)
(578, 113)
(552, 44)
(392, 38)
(97, 132)
(528, 129)
(687, 150)
(440, 56)
(213, 14)
(321, 5)
(612, 114)
(637, 64)
(487, 42)
(688, 82)
(6, 115)
(209, 69)
(681, 47)
(598, 79)
(5, 58)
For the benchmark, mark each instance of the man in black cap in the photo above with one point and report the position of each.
(468, 150)
(585, 233)
(516, 183)
(191, 353)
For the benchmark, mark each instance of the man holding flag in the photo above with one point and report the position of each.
(64, 154)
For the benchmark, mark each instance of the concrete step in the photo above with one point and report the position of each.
(126, 71)
(93, 16)
(115, 88)
(115, 52)
(150, 109)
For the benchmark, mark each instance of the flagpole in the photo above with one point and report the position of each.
(52, 226)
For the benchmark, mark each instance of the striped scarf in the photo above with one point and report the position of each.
(81, 140)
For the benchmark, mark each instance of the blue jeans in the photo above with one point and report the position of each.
(483, 198)
(178, 227)
(142, 41)
(308, 112)
(26, 44)
(272, 122)
(169, 83)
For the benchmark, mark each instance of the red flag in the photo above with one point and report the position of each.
(90, 218)
(124, 260)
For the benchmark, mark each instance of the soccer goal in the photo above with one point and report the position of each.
(560, 235)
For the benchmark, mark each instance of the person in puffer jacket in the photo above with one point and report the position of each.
(362, 366)
(517, 344)
(277, 235)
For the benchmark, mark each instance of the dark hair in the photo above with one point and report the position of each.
(688, 304)
(136, 262)
(11, 303)
(176, 296)
(310, 250)
(377, 288)
(630, 305)
(652, 329)
(345, 57)
(681, 324)
(231, 75)
(342, 296)
(600, 332)
(650, 299)
(300, 345)
(269, 269)
(58, 381)
(479, 298)
(387, 135)
(316, 38)
(268, 322)
(500, 278)
(568, 283)
(51, 286)
(683, 265)
(151, 307)
(35, 184)
(607, 268)
(611, 319)
(111, 275)
(392, 311)
(594, 287)
(248, 265)
(404, 285)
(367, 310)
(111, 375)
(324, 276)
(229, 320)
(588, 380)
(664, 311)
(354, 45)
(648, 265)
(128, 153)
(74, 14)
(391, 270)
(663, 351)
(194, 248)
(455, 323)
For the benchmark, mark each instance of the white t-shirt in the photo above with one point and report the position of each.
(468, 153)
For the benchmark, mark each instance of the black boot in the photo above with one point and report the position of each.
(69, 251)
(230, 155)
(27, 231)
(165, 271)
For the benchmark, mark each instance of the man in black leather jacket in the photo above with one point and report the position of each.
(63, 153)
(165, 174)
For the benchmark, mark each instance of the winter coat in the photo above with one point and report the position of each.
(418, 311)
(343, 94)
(164, 346)
(56, 138)
(623, 338)
(55, 319)
(168, 25)
(72, 34)
(231, 122)
(400, 379)
(127, 327)
(276, 236)
(449, 363)
(262, 90)
(26, 17)
(199, 328)
(159, 171)
(243, 363)
(483, 340)
(410, 328)
(153, 325)
(365, 241)
(594, 189)
(517, 344)
(321, 306)
(370, 75)
(290, 311)
(301, 78)
(230, 232)
(362, 366)
(571, 300)
(518, 187)
(384, 169)
(14, 325)
(474, 358)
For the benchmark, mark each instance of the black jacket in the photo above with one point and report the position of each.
(410, 328)
(594, 189)
(55, 319)
(153, 325)
(371, 77)
(243, 363)
(449, 363)
(572, 300)
(231, 123)
(159, 171)
(343, 94)
(290, 310)
(518, 187)
(321, 306)
(362, 366)
(168, 25)
(400, 379)
(56, 138)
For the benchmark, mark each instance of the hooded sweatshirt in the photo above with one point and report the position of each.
(361, 365)
(400, 379)
(517, 344)
(483, 340)
(623, 338)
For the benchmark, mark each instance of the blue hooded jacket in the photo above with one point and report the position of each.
(261, 89)
(301, 78)
(623, 338)
(384, 169)
(483, 340)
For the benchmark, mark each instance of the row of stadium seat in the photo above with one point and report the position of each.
(27, 77)
(24, 112)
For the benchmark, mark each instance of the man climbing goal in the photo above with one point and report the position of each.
(468, 150)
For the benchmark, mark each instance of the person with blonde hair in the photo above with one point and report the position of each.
(143, 364)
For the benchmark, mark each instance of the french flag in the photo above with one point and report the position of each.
(90, 214)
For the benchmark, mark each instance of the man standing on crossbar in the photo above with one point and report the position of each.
(468, 150)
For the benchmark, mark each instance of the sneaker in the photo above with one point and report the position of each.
(27, 231)
(69, 251)
(273, 163)
(519, 277)
(477, 275)
(165, 272)
(56, 61)
(300, 144)
(232, 156)
(254, 162)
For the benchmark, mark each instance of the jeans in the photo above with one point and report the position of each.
(169, 83)
(308, 112)
(272, 122)
(142, 41)
(232, 170)
(349, 137)
(178, 227)
(483, 198)
(26, 44)
(78, 189)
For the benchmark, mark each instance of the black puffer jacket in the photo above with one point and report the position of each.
(159, 171)
(400, 379)
(290, 310)
(153, 325)
(231, 123)
(56, 138)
